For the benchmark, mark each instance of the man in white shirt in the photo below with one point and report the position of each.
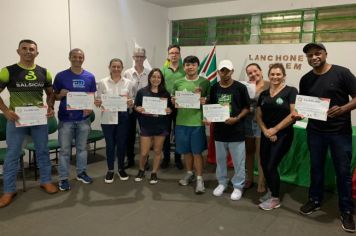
(138, 75)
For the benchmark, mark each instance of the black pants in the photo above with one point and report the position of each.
(271, 154)
(131, 138)
(167, 141)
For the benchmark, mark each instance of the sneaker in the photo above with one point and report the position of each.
(219, 190)
(84, 178)
(153, 179)
(347, 222)
(236, 194)
(265, 197)
(270, 204)
(165, 163)
(309, 207)
(109, 178)
(140, 175)
(64, 185)
(199, 188)
(122, 174)
(187, 179)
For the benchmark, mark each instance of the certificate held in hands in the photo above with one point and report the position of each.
(312, 107)
(186, 99)
(80, 101)
(113, 103)
(216, 112)
(30, 116)
(154, 105)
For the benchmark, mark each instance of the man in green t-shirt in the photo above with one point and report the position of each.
(172, 72)
(25, 82)
(190, 130)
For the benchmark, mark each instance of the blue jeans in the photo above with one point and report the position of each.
(238, 155)
(116, 139)
(67, 132)
(341, 152)
(14, 140)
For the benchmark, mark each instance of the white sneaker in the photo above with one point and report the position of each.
(270, 204)
(236, 194)
(200, 189)
(219, 190)
(187, 179)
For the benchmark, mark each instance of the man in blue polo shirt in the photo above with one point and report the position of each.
(73, 124)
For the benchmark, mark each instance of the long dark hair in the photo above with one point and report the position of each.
(161, 86)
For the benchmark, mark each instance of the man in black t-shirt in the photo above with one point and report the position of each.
(229, 136)
(336, 83)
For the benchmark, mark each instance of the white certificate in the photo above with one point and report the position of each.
(154, 105)
(186, 99)
(251, 88)
(80, 101)
(113, 102)
(30, 116)
(216, 112)
(312, 107)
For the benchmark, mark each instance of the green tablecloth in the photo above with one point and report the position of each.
(295, 166)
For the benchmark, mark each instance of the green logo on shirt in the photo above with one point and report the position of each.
(30, 75)
(279, 101)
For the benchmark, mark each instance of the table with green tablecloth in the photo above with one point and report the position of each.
(295, 166)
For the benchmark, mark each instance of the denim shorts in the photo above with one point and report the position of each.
(190, 139)
(252, 129)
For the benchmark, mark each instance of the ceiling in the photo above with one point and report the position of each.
(179, 3)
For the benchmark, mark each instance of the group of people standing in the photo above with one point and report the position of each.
(258, 127)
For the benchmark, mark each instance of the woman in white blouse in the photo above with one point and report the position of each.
(114, 123)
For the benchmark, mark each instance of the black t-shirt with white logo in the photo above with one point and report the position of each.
(275, 109)
(236, 96)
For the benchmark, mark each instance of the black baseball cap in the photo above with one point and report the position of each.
(313, 45)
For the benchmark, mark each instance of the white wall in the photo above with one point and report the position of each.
(102, 28)
(107, 29)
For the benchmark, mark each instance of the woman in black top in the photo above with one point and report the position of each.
(274, 115)
(153, 128)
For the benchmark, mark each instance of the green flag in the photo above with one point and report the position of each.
(207, 68)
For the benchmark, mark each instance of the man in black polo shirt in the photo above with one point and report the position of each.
(336, 83)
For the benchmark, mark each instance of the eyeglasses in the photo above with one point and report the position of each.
(139, 56)
(174, 53)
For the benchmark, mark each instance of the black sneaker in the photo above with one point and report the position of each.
(109, 178)
(140, 175)
(347, 222)
(165, 163)
(309, 207)
(153, 179)
(122, 174)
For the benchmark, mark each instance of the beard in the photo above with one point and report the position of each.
(320, 65)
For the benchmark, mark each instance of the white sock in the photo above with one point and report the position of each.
(199, 177)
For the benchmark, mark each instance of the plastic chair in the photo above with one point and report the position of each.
(53, 145)
(94, 135)
(3, 151)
